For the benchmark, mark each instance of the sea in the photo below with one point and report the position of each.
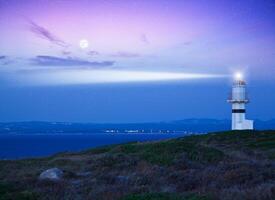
(33, 146)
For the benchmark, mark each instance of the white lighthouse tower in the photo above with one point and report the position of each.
(238, 99)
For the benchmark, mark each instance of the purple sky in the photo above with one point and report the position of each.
(215, 36)
(39, 41)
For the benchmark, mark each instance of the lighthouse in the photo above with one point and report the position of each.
(238, 99)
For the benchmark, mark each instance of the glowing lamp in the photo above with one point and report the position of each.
(238, 76)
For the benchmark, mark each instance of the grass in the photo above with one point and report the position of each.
(10, 192)
(240, 137)
(201, 148)
(184, 165)
(165, 152)
(163, 196)
(256, 141)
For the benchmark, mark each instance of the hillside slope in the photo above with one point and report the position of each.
(228, 165)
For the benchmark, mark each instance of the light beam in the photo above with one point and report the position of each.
(88, 76)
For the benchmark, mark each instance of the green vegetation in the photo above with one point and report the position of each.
(241, 138)
(226, 165)
(163, 196)
(256, 141)
(165, 152)
(10, 192)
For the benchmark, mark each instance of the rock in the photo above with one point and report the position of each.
(53, 174)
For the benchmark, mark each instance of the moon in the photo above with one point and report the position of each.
(83, 44)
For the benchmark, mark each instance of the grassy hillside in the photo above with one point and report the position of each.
(229, 165)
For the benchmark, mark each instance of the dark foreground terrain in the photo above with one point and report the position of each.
(229, 165)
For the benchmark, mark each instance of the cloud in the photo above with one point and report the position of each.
(4, 60)
(46, 34)
(187, 43)
(126, 54)
(57, 61)
(93, 53)
(66, 53)
(144, 39)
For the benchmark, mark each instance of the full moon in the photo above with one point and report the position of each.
(83, 44)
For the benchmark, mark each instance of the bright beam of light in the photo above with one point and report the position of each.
(238, 76)
(86, 76)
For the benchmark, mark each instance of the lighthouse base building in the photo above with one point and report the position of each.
(240, 123)
(238, 99)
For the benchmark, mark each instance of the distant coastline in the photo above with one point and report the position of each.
(187, 126)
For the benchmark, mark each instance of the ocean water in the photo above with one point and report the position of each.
(26, 146)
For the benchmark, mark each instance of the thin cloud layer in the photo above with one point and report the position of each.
(66, 53)
(144, 39)
(4, 60)
(57, 61)
(187, 43)
(124, 54)
(93, 53)
(46, 34)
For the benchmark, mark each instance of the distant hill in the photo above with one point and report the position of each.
(218, 166)
(189, 125)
